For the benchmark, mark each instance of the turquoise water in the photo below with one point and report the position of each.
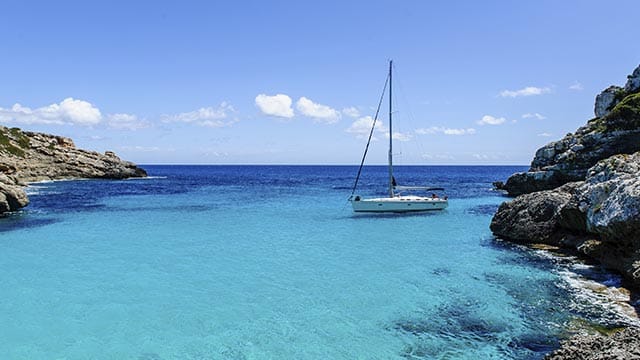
(250, 262)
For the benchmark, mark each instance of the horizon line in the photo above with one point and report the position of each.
(288, 164)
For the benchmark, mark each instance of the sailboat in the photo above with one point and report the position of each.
(396, 201)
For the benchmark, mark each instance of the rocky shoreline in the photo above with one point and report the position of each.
(30, 156)
(620, 345)
(583, 193)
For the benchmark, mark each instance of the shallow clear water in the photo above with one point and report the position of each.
(268, 262)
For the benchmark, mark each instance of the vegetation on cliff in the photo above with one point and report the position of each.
(13, 142)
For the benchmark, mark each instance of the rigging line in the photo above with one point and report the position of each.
(384, 89)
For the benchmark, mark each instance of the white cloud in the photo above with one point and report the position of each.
(467, 131)
(481, 156)
(126, 122)
(446, 131)
(438, 156)
(576, 86)
(351, 112)
(527, 91)
(68, 111)
(139, 148)
(534, 116)
(430, 131)
(399, 136)
(545, 134)
(277, 105)
(362, 126)
(209, 116)
(319, 112)
(490, 120)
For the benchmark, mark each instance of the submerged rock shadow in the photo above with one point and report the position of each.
(482, 210)
(458, 329)
(23, 220)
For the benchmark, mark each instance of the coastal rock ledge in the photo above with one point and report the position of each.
(29, 156)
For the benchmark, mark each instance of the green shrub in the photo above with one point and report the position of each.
(625, 115)
(7, 147)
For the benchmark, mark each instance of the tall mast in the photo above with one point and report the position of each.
(390, 134)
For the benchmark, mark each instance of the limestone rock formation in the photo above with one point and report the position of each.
(29, 156)
(622, 345)
(605, 101)
(611, 196)
(633, 81)
(532, 218)
(599, 217)
(12, 197)
(583, 191)
(615, 130)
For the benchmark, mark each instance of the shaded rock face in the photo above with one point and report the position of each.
(28, 156)
(532, 218)
(633, 81)
(532, 181)
(12, 197)
(615, 130)
(622, 345)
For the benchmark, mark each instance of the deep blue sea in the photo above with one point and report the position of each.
(269, 262)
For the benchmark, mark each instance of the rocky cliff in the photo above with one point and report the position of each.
(29, 156)
(614, 130)
(583, 192)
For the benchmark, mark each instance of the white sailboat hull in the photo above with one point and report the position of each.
(398, 204)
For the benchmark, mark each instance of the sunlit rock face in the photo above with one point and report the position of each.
(614, 130)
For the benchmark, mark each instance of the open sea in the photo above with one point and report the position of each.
(269, 262)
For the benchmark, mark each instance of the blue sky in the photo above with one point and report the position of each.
(294, 82)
